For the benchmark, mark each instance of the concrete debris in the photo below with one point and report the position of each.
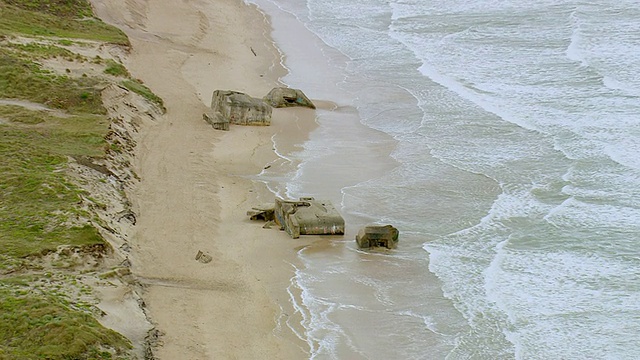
(203, 258)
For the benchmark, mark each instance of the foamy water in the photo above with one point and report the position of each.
(510, 138)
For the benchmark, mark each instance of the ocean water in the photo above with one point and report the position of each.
(502, 138)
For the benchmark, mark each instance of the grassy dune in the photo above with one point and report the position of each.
(45, 118)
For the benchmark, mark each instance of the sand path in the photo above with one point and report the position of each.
(194, 194)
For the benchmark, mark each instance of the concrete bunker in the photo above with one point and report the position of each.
(372, 236)
(308, 216)
(233, 107)
(262, 212)
(280, 97)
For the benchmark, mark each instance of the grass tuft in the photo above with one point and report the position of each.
(116, 69)
(139, 88)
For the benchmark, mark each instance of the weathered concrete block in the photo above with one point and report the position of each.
(218, 122)
(308, 216)
(284, 97)
(239, 108)
(262, 212)
(378, 236)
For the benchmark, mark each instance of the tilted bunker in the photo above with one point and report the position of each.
(280, 97)
(308, 216)
(233, 107)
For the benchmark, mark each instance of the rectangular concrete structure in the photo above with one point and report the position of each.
(308, 216)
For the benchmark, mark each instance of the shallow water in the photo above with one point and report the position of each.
(502, 139)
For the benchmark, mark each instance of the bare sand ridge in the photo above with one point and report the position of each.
(194, 191)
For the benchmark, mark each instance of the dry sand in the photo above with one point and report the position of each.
(195, 191)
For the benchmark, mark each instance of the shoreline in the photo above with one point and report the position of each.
(195, 183)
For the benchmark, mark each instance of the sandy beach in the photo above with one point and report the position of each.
(195, 188)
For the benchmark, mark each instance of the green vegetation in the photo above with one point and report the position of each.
(49, 118)
(38, 202)
(60, 8)
(37, 325)
(138, 88)
(19, 114)
(115, 69)
(66, 19)
(24, 79)
(43, 51)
